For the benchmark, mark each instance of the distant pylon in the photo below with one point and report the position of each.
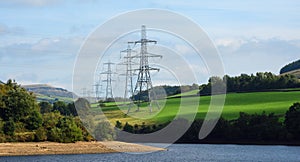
(144, 82)
(108, 80)
(129, 72)
(97, 90)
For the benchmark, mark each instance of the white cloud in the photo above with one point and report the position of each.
(254, 55)
(229, 42)
(47, 61)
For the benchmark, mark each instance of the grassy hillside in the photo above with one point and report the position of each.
(52, 99)
(270, 102)
(189, 93)
(293, 72)
(48, 93)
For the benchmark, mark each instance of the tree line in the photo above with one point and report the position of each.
(164, 91)
(250, 83)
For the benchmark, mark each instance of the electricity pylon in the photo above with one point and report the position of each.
(108, 80)
(144, 82)
(129, 72)
(97, 90)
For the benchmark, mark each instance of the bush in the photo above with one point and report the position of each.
(292, 120)
(24, 136)
(54, 135)
(70, 132)
(105, 132)
(40, 134)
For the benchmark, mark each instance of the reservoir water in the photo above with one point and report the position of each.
(182, 153)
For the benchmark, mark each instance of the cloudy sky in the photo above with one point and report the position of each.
(40, 39)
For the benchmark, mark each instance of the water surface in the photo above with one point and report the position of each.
(182, 153)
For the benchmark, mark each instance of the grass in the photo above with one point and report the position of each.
(256, 102)
(189, 93)
(41, 97)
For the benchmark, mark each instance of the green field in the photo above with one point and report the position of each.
(256, 102)
(51, 99)
(192, 92)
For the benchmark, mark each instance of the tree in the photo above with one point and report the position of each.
(72, 109)
(61, 107)
(45, 107)
(69, 131)
(51, 119)
(16, 102)
(292, 120)
(34, 121)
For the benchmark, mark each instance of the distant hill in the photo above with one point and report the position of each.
(290, 67)
(49, 93)
(293, 72)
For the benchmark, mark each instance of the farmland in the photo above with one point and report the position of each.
(255, 102)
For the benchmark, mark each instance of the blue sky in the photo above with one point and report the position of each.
(39, 39)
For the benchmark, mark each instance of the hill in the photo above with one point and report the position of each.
(48, 93)
(255, 102)
(290, 67)
(296, 73)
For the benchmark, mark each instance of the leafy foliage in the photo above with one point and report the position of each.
(69, 131)
(34, 121)
(251, 83)
(16, 102)
(21, 118)
(45, 107)
(9, 127)
(292, 120)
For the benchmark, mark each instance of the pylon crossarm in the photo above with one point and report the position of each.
(153, 55)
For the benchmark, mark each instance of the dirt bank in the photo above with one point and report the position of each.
(47, 148)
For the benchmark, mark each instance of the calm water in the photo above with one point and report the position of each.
(182, 153)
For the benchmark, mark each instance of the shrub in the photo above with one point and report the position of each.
(40, 134)
(24, 136)
(105, 132)
(292, 120)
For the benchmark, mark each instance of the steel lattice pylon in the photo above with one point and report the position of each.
(128, 72)
(108, 80)
(144, 82)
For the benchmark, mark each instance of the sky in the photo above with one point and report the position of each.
(40, 39)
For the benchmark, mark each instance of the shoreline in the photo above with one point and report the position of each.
(53, 148)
